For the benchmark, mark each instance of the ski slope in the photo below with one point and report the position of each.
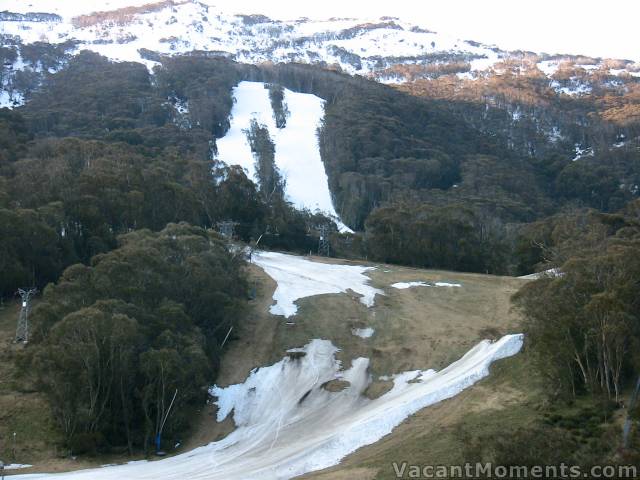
(288, 424)
(298, 278)
(296, 145)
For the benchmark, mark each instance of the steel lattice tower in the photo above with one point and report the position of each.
(22, 332)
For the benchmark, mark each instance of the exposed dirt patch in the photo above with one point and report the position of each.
(335, 385)
(22, 410)
(347, 474)
(377, 388)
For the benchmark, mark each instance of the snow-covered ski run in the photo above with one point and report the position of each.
(288, 424)
(297, 155)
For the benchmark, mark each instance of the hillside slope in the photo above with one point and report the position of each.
(415, 328)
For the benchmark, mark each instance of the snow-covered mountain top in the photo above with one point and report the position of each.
(67, 9)
(385, 49)
(356, 45)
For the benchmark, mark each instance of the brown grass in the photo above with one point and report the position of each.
(121, 16)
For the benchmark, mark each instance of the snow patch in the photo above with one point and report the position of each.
(516, 114)
(582, 152)
(298, 278)
(552, 272)
(391, 79)
(479, 64)
(363, 332)
(573, 89)
(11, 99)
(285, 417)
(17, 466)
(555, 134)
(588, 67)
(181, 106)
(465, 75)
(405, 285)
(548, 67)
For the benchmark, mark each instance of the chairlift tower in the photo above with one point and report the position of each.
(324, 248)
(22, 332)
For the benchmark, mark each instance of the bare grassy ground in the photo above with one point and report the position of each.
(26, 412)
(417, 328)
(22, 410)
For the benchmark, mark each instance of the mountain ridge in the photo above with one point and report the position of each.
(368, 46)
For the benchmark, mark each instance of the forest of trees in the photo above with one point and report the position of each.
(271, 183)
(278, 104)
(115, 339)
(450, 237)
(382, 148)
(584, 322)
(75, 174)
(119, 158)
(582, 328)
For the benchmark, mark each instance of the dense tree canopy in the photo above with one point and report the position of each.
(114, 340)
(584, 322)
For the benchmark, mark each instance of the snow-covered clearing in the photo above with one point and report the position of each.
(296, 145)
(288, 424)
(405, 285)
(298, 278)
